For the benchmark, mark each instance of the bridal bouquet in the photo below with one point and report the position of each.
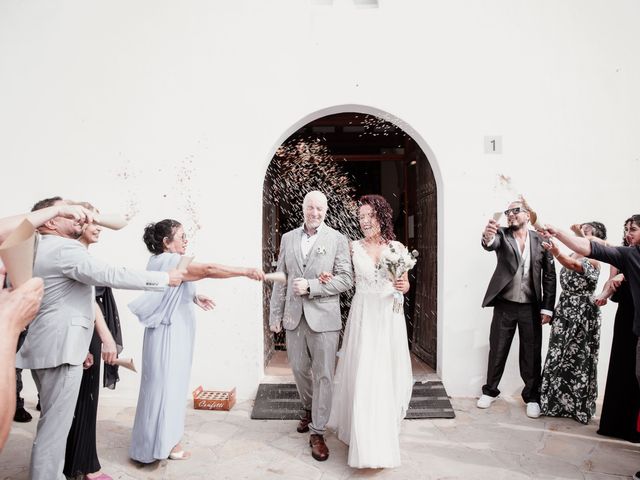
(397, 260)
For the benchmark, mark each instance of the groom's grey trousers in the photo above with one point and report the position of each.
(312, 356)
(58, 388)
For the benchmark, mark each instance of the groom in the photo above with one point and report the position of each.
(310, 312)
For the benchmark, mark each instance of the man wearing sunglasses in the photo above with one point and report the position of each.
(522, 293)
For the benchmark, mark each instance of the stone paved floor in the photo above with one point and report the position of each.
(499, 443)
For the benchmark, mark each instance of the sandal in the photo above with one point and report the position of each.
(179, 455)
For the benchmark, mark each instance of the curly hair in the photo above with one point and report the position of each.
(632, 219)
(598, 229)
(383, 213)
(155, 233)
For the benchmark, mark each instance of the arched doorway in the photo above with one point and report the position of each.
(346, 155)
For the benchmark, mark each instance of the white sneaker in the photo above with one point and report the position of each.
(533, 409)
(485, 401)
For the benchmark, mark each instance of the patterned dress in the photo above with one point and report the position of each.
(569, 380)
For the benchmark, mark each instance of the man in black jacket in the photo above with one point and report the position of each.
(522, 293)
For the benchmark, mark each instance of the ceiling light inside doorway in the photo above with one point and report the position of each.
(366, 3)
(323, 129)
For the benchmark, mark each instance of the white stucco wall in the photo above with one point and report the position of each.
(92, 90)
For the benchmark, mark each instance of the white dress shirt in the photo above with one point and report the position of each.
(307, 241)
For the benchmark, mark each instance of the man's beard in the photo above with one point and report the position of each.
(516, 227)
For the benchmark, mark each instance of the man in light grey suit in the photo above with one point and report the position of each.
(58, 340)
(310, 312)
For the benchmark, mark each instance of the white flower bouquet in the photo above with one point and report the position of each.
(397, 260)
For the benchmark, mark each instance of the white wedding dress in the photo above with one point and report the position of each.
(373, 381)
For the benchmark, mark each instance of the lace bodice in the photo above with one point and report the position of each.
(370, 277)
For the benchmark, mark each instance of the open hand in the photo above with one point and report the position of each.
(551, 246)
(616, 281)
(204, 302)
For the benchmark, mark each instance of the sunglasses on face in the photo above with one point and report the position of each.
(514, 211)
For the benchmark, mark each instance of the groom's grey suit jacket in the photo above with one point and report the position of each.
(330, 253)
(61, 332)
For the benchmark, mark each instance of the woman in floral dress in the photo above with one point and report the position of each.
(569, 379)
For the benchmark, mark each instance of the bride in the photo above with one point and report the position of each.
(373, 381)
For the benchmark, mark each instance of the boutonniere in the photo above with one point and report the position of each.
(321, 250)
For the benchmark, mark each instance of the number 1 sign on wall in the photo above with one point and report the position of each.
(493, 144)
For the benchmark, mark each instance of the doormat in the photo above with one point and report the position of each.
(280, 401)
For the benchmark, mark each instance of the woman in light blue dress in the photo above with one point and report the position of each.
(169, 318)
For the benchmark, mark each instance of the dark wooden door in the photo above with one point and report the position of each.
(314, 159)
(270, 243)
(425, 318)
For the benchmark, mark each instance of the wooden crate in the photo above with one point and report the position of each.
(213, 400)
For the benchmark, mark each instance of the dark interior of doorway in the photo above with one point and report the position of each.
(378, 157)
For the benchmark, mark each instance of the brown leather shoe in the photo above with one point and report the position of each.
(319, 449)
(303, 424)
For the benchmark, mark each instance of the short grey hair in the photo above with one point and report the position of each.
(314, 194)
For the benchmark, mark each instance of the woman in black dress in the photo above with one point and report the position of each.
(622, 394)
(81, 458)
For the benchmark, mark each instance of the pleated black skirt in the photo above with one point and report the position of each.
(622, 394)
(81, 456)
